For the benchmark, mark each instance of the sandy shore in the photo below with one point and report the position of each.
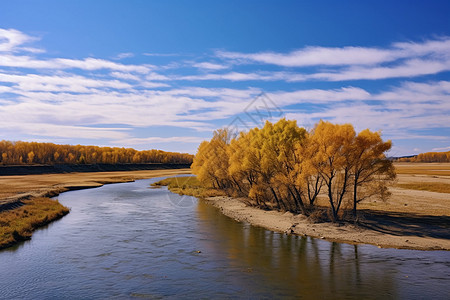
(410, 219)
(387, 237)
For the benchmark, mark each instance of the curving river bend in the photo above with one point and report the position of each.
(127, 241)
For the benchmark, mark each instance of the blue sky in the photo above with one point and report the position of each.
(165, 74)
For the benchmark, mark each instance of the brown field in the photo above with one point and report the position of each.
(422, 169)
(421, 188)
(437, 187)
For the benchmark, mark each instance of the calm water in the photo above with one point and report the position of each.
(127, 241)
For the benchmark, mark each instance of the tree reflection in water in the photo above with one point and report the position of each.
(288, 265)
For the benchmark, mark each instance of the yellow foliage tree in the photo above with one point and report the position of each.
(283, 166)
(331, 146)
(30, 157)
(211, 161)
(48, 153)
(370, 169)
(243, 163)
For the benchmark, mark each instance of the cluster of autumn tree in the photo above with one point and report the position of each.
(428, 157)
(286, 167)
(17, 153)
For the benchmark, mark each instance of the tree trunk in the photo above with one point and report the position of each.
(342, 193)
(355, 197)
(276, 198)
(300, 201)
(330, 198)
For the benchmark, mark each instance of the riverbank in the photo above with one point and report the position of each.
(387, 230)
(18, 224)
(25, 206)
(410, 219)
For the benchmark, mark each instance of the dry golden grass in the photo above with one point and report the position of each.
(18, 224)
(188, 186)
(437, 169)
(426, 186)
(420, 190)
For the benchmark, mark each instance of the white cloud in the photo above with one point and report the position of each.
(126, 76)
(96, 64)
(418, 91)
(153, 85)
(237, 76)
(5, 89)
(64, 131)
(89, 64)
(334, 56)
(11, 39)
(156, 76)
(313, 56)
(157, 140)
(123, 55)
(320, 96)
(62, 83)
(443, 149)
(410, 68)
(210, 66)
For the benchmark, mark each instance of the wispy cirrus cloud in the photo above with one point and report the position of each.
(123, 55)
(406, 59)
(12, 40)
(210, 66)
(157, 140)
(90, 64)
(405, 69)
(441, 149)
(344, 56)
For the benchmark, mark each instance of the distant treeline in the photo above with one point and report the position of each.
(286, 167)
(19, 153)
(428, 157)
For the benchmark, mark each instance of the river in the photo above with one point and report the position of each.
(128, 241)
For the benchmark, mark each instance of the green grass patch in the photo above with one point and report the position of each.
(187, 185)
(18, 224)
(426, 186)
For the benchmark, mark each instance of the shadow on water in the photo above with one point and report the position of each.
(295, 265)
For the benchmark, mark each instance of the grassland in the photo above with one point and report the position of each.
(187, 185)
(437, 187)
(421, 189)
(432, 177)
(423, 169)
(18, 224)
